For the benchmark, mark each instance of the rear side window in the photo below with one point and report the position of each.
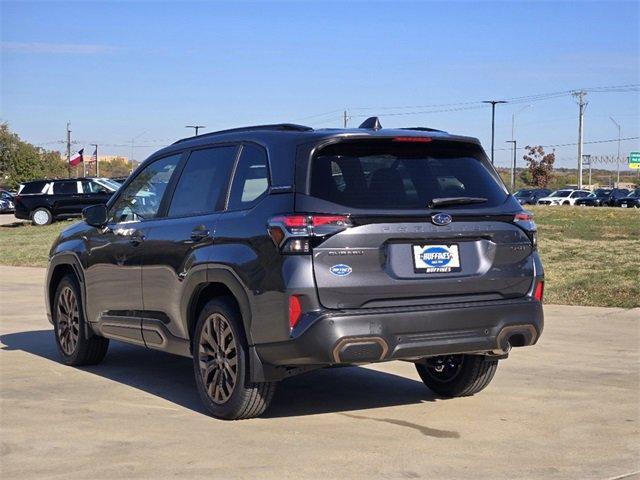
(251, 179)
(32, 187)
(65, 188)
(93, 187)
(203, 182)
(389, 175)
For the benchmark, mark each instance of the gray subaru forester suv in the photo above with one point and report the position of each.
(266, 252)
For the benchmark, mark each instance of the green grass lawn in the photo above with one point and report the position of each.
(23, 244)
(591, 255)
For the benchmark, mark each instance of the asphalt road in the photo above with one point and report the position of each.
(567, 408)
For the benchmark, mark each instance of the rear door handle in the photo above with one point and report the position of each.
(200, 233)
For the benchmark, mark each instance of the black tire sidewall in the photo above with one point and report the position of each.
(458, 385)
(230, 409)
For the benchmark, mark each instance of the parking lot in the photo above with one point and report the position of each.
(567, 408)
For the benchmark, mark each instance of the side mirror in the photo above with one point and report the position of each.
(95, 215)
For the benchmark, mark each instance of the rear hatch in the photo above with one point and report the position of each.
(428, 223)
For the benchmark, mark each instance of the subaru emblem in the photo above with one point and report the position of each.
(441, 219)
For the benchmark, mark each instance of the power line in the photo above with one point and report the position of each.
(478, 103)
(574, 144)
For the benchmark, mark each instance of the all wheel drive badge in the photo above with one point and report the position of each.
(441, 219)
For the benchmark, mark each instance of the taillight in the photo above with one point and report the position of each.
(295, 310)
(538, 292)
(523, 217)
(294, 233)
(525, 221)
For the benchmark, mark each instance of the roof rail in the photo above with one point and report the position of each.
(282, 127)
(423, 129)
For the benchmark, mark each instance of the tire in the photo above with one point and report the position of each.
(471, 374)
(221, 365)
(566, 203)
(41, 216)
(74, 346)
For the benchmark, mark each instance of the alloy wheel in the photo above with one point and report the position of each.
(68, 320)
(41, 217)
(218, 358)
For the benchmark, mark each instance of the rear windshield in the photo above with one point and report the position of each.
(390, 175)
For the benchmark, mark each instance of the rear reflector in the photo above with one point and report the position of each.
(413, 139)
(295, 310)
(539, 291)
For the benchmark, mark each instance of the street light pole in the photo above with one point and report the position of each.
(493, 123)
(195, 127)
(618, 157)
(513, 165)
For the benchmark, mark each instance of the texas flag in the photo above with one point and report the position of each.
(77, 158)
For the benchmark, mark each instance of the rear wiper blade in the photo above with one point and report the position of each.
(438, 202)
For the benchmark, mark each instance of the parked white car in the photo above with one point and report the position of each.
(566, 196)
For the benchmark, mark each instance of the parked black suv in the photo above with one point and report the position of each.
(43, 201)
(632, 200)
(265, 252)
(530, 196)
(603, 197)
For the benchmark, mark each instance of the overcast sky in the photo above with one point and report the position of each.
(124, 70)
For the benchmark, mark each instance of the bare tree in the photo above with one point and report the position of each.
(540, 165)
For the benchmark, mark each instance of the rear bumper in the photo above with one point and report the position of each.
(22, 212)
(372, 335)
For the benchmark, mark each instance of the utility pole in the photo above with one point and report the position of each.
(195, 127)
(345, 119)
(96, 153)
(587, 158)
(68, 149)
(513, 165)
(618, 157)
(581, 104)
(493, 122)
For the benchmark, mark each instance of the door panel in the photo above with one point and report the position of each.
(113, 275)
(175, 251)
(114, 270)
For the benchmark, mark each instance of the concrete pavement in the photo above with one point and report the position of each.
(567, 408)
(7, 218)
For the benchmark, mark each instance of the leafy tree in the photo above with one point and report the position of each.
(115, 167)
(21, 161)
(540, 165)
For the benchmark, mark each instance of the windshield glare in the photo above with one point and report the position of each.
(561, 193)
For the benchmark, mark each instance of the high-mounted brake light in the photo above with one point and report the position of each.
(413, 139)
